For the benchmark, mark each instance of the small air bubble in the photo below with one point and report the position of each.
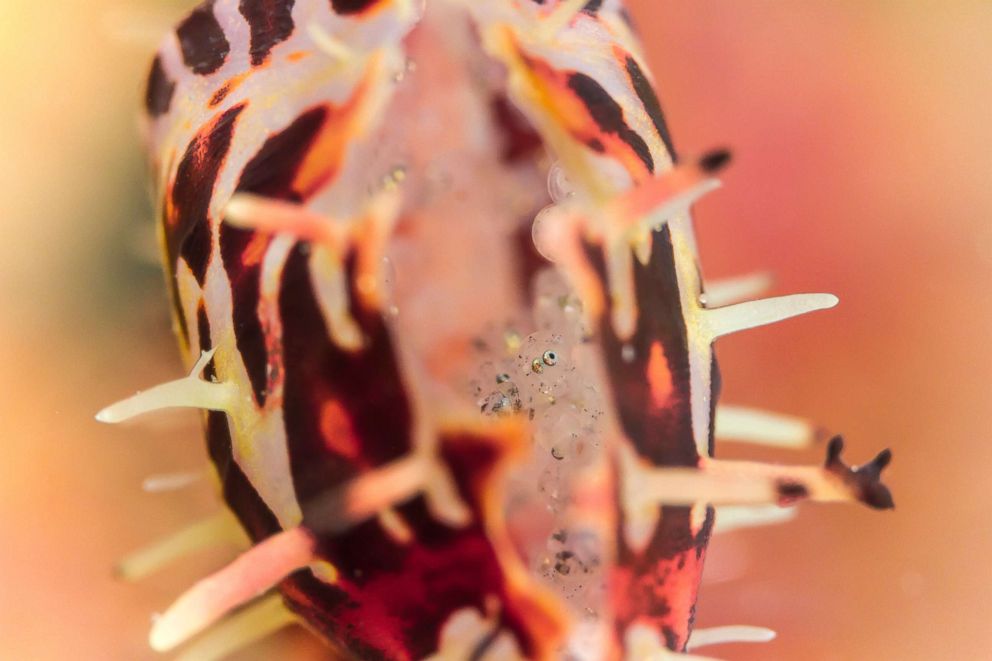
(559, 187)
(537, 366)
(541, 232)
(502, 378)
(556, 453)
(550, 358)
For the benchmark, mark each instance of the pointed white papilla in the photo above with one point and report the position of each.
(719, 293)
(240, 630)
(718, 322)
(222, 528)
(188, 392)
(738, 633)
(748, 425)
(254, 572)
(736, 517)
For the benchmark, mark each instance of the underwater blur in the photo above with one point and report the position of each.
(861, 149)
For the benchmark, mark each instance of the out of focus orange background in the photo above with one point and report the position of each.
(863, 167)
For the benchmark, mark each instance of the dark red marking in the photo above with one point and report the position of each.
(203, 44)
(203, 332)
(187, 225)
(158, 93)
(270, 173)
(245, 275)
(195, 250)
(270, 21)
(608, 114)
(347, 7)
(716, 387)
(392, 603)
(663, 436)
(659, 584)
(336, 400)
(649, 99)
(272, 170)
(255, 516)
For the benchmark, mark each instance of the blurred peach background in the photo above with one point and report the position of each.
(863, 163)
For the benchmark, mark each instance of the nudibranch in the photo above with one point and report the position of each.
(433, 272)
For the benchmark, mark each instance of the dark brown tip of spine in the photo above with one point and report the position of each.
(879, 497)
(864, 481)
(834, 450)
(714, 161)
(882, 459)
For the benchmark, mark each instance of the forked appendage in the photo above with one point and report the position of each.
(257, 621)
(222, 528)
(367, 236)
(748, 425)
(864, 480)
(256, 571)
(738, 633)
(721, 482)
(188, 392)
(737, 517)
(718, 293)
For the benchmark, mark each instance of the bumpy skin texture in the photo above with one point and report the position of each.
(288, 101)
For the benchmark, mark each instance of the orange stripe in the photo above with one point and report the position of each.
(659, 376)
